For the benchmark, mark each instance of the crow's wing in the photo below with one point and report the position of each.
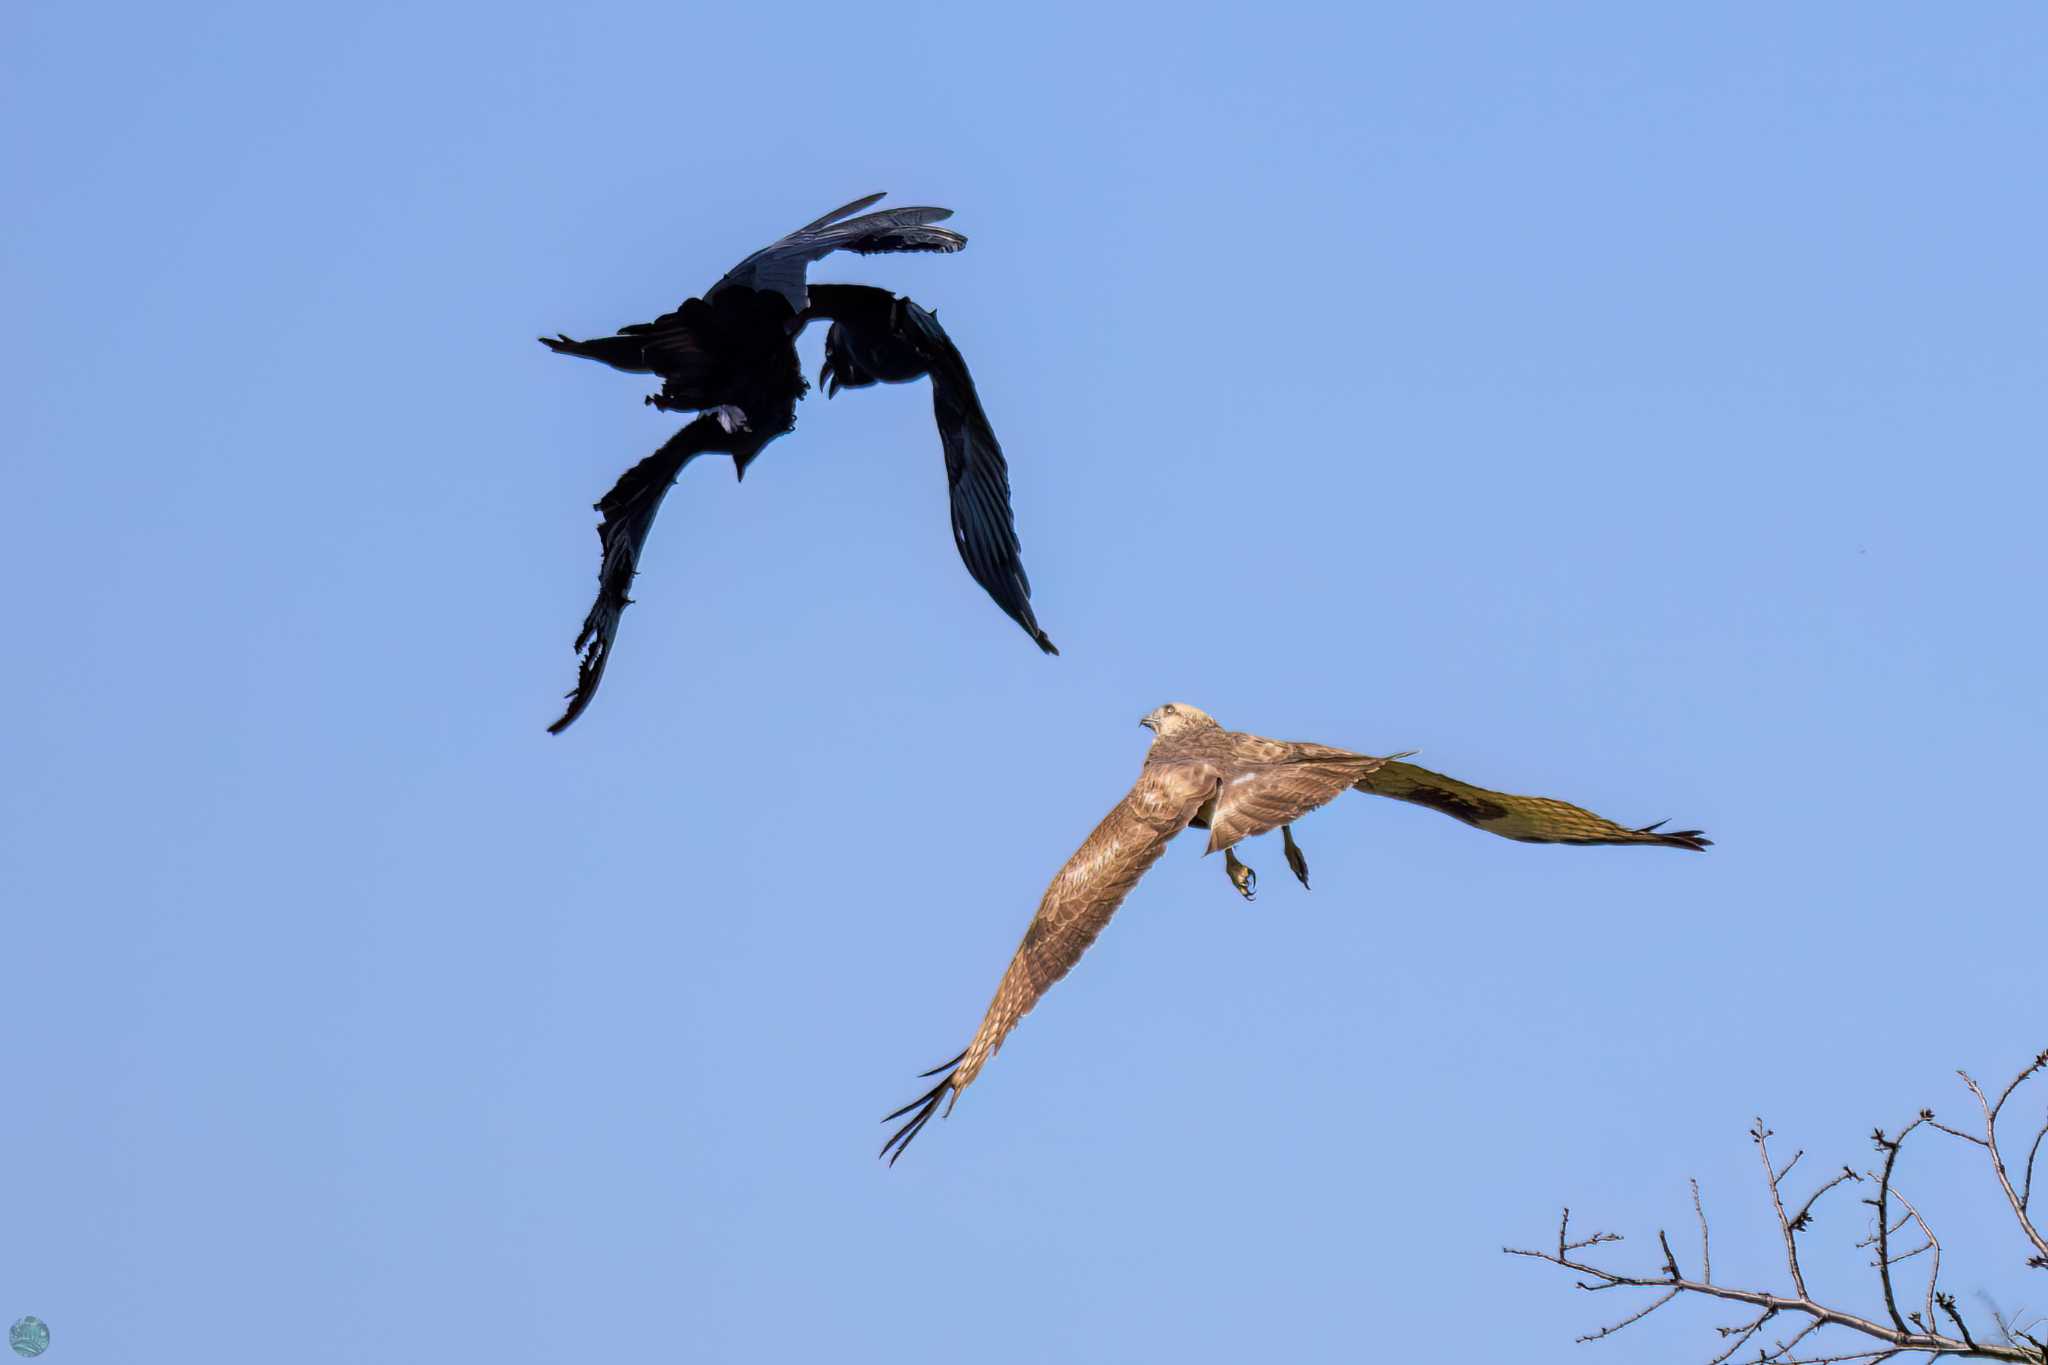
(628, 514)
(681, 346)
(781, 266)
(977, 476)
(875, 337)
(1076, 906)
(1528, 819)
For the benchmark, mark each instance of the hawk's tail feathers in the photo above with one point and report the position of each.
(924, 1105)
(1694, 839)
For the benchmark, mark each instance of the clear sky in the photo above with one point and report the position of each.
(1636, 404)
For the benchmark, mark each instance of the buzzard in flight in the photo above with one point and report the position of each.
(730, 357)
(1235, 786)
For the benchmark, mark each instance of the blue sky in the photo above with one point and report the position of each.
(1631, 404)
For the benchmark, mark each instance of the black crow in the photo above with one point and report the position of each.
(730, 357)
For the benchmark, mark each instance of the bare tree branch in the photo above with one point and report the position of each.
(2027, 1186)
(1933, 1245)
(1991, 1111)
(1948, 1306)
(1742, 1334)
(1924, 1335)
(1785, 1348)
(1802, 1220)
(1884, 1187)
(1761, 1136)
(1634, 1317)
(1706, 1252)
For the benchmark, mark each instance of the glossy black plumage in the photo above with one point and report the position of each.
(731, 355)
(879, 338)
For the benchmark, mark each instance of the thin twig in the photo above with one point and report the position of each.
(1761, 1135)
(2027, 1186)
(1706, 1254)
(1948, 1306)
(1956, 1132)
(2019, 1211)
(1803, 1219)
(1906, 1256)
(1595, 1240)
(1890, 1148)
(2039, 1063)
(1784, 1348)
(1742, 1335)
(1631, 1318)
(1895, 1230)
(1933, 1244)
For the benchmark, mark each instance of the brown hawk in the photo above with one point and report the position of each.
(1235, 786)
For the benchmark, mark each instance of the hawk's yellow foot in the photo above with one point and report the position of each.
(1295, 861)
(1243, 878)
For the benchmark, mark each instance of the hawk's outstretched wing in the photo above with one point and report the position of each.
(1258, 800)
(1527, 819)
(780, 267)
(1076, 906)
(628, 514)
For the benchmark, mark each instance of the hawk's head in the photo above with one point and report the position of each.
(1176, 717)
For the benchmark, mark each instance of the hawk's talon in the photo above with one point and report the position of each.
(1243, 878)
(1296, 863)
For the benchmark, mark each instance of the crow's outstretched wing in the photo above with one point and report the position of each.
(977, 477)
(685, 346)
(780, 267)
(628, 514)
(1527, 819)
(878, 337)
(1076, 906)
(682, 345)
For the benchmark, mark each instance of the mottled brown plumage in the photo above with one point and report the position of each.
(1236, 786)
